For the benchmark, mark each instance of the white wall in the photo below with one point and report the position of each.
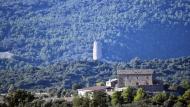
(97, 50)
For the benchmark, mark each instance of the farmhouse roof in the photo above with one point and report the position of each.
(135, 71)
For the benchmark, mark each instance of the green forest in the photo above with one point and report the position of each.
(46, 46)
(129, 97)
(46, 31)
(65, 74)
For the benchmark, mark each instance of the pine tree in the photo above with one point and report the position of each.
(140, 94)
(127, 95)
(116, 98)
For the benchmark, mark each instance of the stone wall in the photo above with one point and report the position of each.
(134, 80)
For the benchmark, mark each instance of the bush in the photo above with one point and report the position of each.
(178, 104)
(116, 99)
(140, 94)
(99, 99)
(18, 97)
(159, 98)
(77, 101)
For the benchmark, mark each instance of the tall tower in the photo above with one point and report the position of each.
(97, 50)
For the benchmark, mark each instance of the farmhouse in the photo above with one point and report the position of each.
(138, 78)
(134, 77)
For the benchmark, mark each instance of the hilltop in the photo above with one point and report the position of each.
(46, 31)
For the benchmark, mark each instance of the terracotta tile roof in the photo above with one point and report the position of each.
(135, 71)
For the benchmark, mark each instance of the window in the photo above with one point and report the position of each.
(147, 83)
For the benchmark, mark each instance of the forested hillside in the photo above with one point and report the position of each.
(87, 73)
(44, 31)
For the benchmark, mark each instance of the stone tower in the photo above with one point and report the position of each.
(97, 50)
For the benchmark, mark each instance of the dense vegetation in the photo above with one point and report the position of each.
(66, 74)
(51, 41)
(44, 31)
(129, 97)
(21, 98)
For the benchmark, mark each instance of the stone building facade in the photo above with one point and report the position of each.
(135, 77)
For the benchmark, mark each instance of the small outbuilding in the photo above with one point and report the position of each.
(91, 90)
